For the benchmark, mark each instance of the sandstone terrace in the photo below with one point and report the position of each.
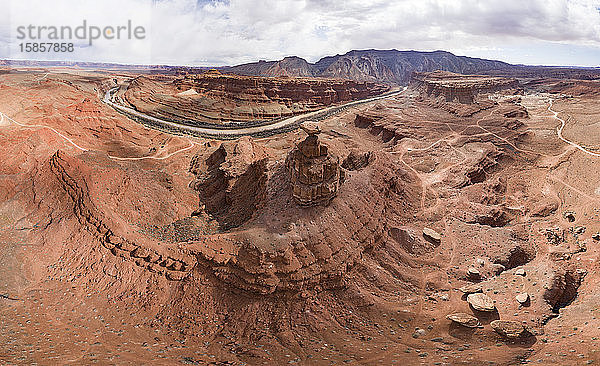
(215, 98)
(461, 88)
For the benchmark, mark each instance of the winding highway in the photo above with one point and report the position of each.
(234, 133)
(210, 132)
(256, 130)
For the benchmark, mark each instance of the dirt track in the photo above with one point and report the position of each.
(559, 131)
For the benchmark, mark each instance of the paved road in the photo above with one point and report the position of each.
(234, 133)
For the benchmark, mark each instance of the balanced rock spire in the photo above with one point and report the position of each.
(314, 171)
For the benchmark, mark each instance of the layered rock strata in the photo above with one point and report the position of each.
(164, 259)
(459, 88)
(234, 182)
(212, 98)
(314, 171)
(285, 248)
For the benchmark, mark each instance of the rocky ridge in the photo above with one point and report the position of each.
(166, 260)
(459, 88)
(216, 98)
(389, 66)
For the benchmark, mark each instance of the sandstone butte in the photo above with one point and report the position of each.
(315, 173)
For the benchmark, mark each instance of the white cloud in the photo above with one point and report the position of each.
(210, 32)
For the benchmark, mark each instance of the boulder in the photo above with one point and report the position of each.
(418, 333)
(473, 274)
(509, 328)
(569, 215)
(311, 128)
(471, 289)
(497, 268)
(465, 320)
(432, 235)
(522, 298)
(481, 302)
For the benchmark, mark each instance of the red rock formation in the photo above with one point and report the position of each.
(109, 233)
(80, 252)
(215, 98)
(308, 246)
(232, 181)
(459, 88)
(314, 172)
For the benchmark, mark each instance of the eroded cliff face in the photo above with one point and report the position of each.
(459, 88)
(314, 246)
(308, 231)
(215, 98)
(232, 181)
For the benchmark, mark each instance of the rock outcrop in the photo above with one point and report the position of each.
(465, 320)
(213, 98)
(233, 181)
(167, 260)
(481, 302)
(522, 298)
(509, 328)
(314, 172)
(471, 289)
(286, 248)
(432, 235)
(459, 88)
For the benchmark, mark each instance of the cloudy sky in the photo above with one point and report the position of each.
(227, 32)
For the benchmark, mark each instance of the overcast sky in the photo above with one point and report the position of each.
(215, 33)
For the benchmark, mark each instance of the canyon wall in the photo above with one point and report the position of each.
(213, 98)
(231, 183)
(459, 88)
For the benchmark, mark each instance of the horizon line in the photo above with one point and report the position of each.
(262, 60)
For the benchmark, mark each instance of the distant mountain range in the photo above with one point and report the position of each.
(396, 67)
(77, 64)
(103, 66)
(386, 66)
(390, 66)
